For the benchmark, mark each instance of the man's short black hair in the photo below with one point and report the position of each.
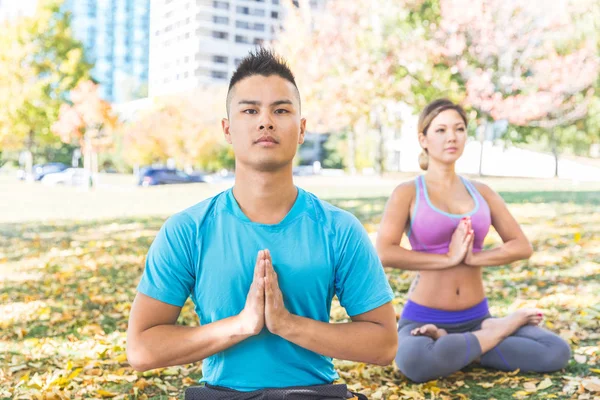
(263, 62)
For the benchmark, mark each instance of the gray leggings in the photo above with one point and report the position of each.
(530, 348)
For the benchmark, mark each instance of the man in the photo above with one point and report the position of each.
(262, 262)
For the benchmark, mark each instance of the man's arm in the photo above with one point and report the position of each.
(154, 341)
(370, 337)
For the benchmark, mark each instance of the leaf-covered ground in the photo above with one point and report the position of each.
(66, 289)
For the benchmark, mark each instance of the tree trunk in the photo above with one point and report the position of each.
(554, 152)
(380, 149)
(380, 156)
(87, 160)
(352, 151)
(29, 157)
(482, 141)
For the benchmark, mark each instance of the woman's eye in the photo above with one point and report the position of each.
(440, 131)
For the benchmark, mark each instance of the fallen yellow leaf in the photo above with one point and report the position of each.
(592, 385)
(105, 394)
(531, 387)
(545, 384)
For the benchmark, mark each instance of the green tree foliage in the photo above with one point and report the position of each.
(40, 62)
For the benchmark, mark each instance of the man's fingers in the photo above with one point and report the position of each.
(260, 286)
(261, 269)
(273, 276)
(259, 257)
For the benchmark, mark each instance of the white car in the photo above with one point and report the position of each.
(70, 176)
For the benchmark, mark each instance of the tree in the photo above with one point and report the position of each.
(185, 128)
(522, 61)
(40, 62)
(354, 62)
(89, 122)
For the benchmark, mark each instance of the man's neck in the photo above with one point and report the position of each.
(265, 197)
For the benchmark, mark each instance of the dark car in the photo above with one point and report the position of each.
(41, 170)
(165, 176)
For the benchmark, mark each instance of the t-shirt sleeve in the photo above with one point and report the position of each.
(169, 272)
(360, 281)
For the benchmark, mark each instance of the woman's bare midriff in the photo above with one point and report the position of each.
(451, 289)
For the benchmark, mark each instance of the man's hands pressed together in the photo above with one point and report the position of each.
(370, 337)
(252, 317)
(264, 303)
(276, 315)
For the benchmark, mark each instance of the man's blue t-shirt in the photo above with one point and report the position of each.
(209, 252)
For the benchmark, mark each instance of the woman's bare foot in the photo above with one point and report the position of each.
(495, 330)
(509, 324)
(429, 330)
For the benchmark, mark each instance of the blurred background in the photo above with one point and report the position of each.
(120, 86)
(110, 122)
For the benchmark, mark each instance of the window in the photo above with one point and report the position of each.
(221, 5)
(220, 20)
(246, 25)
(275, 1)
(238, 61)
(220, 35)
(274, 14)
(220, 59)
(241, 39)
(218, 74)
(258, 41)
(242, 10)
(242, 24)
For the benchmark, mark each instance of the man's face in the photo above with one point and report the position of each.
(264, 124)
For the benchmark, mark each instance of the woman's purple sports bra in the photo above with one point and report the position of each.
(431, 229)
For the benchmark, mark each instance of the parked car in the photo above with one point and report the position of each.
(166, 176)
(70, 176)
(41, 170)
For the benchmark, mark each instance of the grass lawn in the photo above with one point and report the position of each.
(70, 261)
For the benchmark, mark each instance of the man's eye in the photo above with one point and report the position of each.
(281, 111)
(250, 111)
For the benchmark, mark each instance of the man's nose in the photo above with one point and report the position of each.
(265, 123)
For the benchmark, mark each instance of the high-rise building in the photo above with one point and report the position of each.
(115, 34)
(194, 42)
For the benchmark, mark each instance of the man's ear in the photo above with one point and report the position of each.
(302, 130)
(225, 125)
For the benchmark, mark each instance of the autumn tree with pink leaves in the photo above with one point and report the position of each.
(88, 121)
(519, 61)
(522, 61)
(355, 62)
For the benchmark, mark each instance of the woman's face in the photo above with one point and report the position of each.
(445, 138)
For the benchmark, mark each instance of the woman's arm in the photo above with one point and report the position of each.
(515, 245)
(392, 226)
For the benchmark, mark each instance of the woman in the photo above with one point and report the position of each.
(446, 323)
